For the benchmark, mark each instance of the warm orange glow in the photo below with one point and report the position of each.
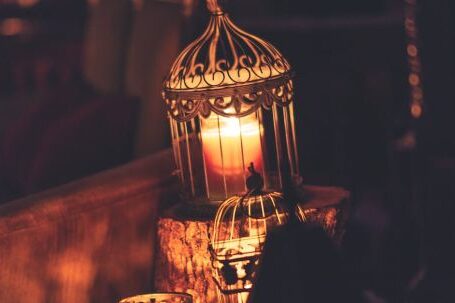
(12, 26)
(230, 135)
(414, 79)
(416, 111)
(229, 146)
(409, 24)
(159, 298)
(412, 50)
(138, 4)
(228, 72)
(95, 2)
(188, 7)
(27, 3)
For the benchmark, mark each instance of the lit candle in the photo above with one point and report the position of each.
(229, 146)
(171, 297)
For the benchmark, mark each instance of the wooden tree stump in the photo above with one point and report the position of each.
(183, 260)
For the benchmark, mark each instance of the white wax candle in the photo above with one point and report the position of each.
(229, 146)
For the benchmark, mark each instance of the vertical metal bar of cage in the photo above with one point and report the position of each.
(219, 217)
(234, 211)
(206, 177)
(174, 125)
(264, 221)
(296, 154)
(190, 164)
(276, 209)
(257, 222)
(243, 155)
(174, 139)
(289, 148)
(301, 213)
(196, 144)
(279, 151)
(263, 147)
(249, 216)
(222, 157)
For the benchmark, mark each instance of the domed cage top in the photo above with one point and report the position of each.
(229, 97)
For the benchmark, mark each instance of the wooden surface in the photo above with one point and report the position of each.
(183, 261)
(89, 241)
(94, 240)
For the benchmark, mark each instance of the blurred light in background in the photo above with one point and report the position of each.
(95, 2)
(27, 3)
(14, 26)
(22, 3)
(416, 110)
(415, 70)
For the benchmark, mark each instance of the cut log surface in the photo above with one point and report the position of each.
(183, 260)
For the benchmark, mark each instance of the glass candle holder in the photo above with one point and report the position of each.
(165, 297)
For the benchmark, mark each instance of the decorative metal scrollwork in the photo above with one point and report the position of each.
(226, 71)
(230, 102)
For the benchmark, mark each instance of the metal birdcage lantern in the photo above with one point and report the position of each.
(229, 97)
(239, 232)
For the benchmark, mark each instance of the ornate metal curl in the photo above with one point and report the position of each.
(226, 71)
(229, 102)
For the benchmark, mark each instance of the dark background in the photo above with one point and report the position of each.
(352, 106)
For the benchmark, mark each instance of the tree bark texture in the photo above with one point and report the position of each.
(183, 260)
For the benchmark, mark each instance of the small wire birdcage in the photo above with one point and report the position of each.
(229, 97)
(239, 232)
